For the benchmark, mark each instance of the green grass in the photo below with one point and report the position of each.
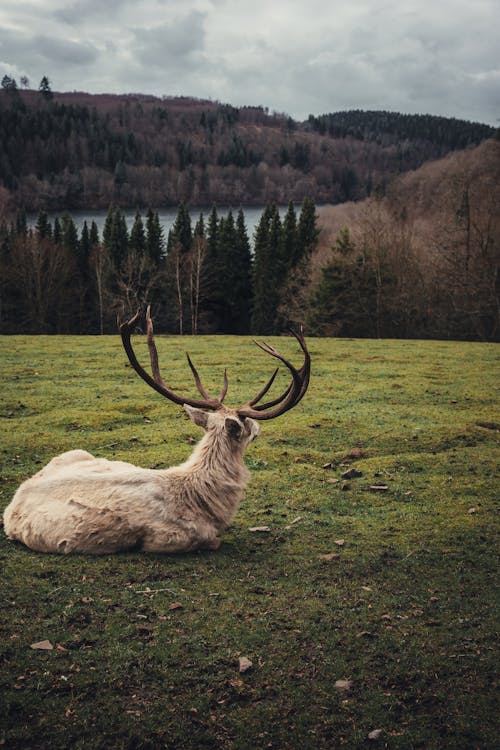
(406, 611)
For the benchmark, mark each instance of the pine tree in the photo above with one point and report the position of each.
(57, 233)
(265, 277)
(181, 231)
(94, 235)
(243, 282)
(69, 233)
(44, 88)
(289, 242)
(155, 242)
(307, 231)
(43, 225)
(137, 241)
(115, 236)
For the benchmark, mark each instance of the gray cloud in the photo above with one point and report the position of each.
(179, 42)
(297, 56)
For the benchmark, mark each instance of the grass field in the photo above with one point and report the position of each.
(360, 609)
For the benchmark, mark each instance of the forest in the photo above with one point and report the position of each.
(200, 279)
(63, 151)
(404, 250)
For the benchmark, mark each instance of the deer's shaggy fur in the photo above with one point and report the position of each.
(78, 503)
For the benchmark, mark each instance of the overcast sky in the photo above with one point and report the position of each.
(296, 56)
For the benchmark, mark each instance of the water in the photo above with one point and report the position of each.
(166, 216)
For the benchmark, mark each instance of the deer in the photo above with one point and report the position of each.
(82, 504)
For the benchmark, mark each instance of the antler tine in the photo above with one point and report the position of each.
(199, 384)
(294, 392)
(263, 392)
(156, 381)
(197, 378)
(222, 394)
(153, 354)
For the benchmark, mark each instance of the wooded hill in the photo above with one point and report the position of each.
(63, 151)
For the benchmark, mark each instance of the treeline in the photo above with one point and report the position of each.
(200, 279)
(68, 151)
(448, 133)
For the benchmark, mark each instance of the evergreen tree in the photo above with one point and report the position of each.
(155, 243)
(115, 236)
(94, 235)
(57, 234)
(344, 303)
(289, 241)
(84, 248)
(137, 240)
(243, 281)
(307, 231)
(43, 226)
(265, 276)
(181, 231)
(69, 233)
(44, 88)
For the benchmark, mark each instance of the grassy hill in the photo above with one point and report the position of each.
(367, 605)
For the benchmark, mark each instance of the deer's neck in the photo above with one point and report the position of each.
(215, 478)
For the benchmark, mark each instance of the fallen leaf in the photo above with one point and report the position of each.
(333, 480)
(296, 520)
(375, 734)
(339, 542)
(236, 683)
(355, 453)
(330, 556)
(343, 685)
(328, 465)
(244, 664)
(176, 605)
(42, 646)
(261, 529)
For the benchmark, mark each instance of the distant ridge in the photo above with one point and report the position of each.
(75, 150)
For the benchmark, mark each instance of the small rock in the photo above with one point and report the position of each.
(343, 685)
(375, 734)
(244, 664)
(351, 474)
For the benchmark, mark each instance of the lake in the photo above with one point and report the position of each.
(166, 216)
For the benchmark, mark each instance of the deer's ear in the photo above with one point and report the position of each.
(198, 416)
(234, 428)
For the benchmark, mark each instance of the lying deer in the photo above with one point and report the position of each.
(78, 503)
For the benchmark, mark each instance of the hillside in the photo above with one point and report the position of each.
(421, 261)
(77, 150)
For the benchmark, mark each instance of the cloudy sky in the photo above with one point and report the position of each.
(296, 56)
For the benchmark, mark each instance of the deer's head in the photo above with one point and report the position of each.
(210, 412)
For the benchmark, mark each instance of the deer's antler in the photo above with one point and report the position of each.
(253, 408)
(156, 382)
